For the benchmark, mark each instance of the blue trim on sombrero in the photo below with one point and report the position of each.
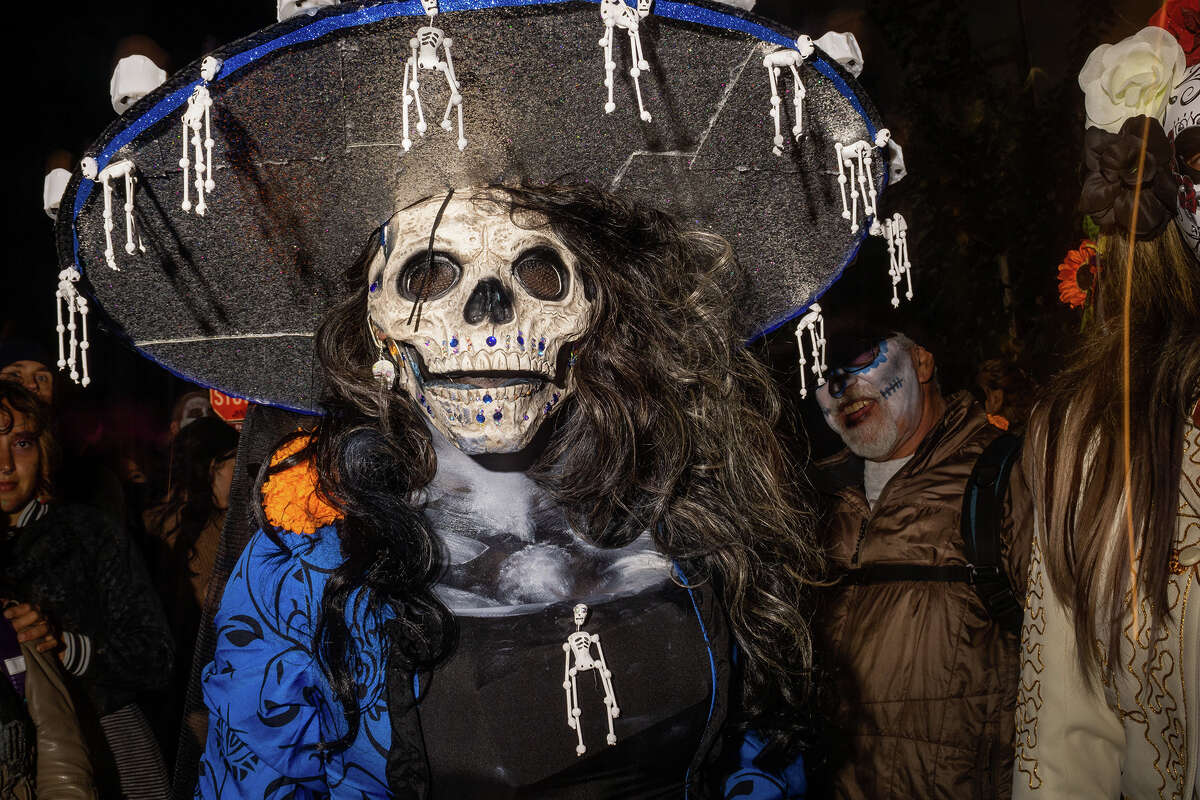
(682, 12)
(807, 304)
(664, 8)
(817, 295)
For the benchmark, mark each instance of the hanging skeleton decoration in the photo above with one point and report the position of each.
(118, 170)
(895, 232)
(856, 178)
(775, 62)
(424, 47)
(198, 118)
(70, 304)
(477, 334)
(616, 14)
(577, 658)
(812, 324)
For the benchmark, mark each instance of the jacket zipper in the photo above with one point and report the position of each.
(862, 533)
(905, 470)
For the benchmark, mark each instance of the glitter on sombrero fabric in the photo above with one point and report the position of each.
(290, 497)
(307, 129)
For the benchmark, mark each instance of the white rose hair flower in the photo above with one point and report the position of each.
(1133, 77)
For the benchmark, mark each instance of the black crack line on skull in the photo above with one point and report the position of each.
(416, 309)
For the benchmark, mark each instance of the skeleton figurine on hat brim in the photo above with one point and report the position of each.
(523, 323)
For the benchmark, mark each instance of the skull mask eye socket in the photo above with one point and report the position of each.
(541, 272)
(424, 278)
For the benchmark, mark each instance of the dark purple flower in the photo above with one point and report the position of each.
(1113, 178)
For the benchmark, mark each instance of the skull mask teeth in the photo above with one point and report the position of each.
(500, 298)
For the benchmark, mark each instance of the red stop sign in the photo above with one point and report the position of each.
(231, 409)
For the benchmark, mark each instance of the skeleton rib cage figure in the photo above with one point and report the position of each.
(618, 15)
(424, 56)
(578, 649)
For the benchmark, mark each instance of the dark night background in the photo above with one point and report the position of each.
(982, 96)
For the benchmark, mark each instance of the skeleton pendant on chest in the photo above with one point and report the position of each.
(578, 658)
(425, 58)
(616, 14)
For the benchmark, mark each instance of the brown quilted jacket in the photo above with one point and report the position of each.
(925, 683)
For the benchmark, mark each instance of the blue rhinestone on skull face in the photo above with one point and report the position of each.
(497, 416)
(487, 398)
(479, 418)
(374, 286)
(454, 342)
(520, 340)
(491, 341)
(541, 346)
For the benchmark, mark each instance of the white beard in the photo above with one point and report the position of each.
(893, 385)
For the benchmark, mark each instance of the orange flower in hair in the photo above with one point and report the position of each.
(1077, 274)
(290, 496)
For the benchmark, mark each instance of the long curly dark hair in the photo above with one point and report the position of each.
(669, 429)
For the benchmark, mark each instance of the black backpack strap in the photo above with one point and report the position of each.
(982, 520)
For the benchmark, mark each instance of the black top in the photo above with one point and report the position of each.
(495, 715)
(83, 573)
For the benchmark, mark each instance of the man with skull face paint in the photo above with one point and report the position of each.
(926, 679)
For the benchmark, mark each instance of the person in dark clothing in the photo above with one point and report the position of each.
(183, 534)
(80, 572)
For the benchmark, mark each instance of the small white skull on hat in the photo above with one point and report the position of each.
(286, 9)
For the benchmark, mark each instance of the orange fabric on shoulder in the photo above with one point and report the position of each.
(290, 497)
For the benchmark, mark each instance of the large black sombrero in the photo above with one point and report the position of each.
(306, 121)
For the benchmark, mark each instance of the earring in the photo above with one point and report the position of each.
(384, 369)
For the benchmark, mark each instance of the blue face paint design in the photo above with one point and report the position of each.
(880, 358)
(837, 388)
(888, 393)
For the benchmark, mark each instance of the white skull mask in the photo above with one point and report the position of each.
(501, 299)
(1182, 124)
